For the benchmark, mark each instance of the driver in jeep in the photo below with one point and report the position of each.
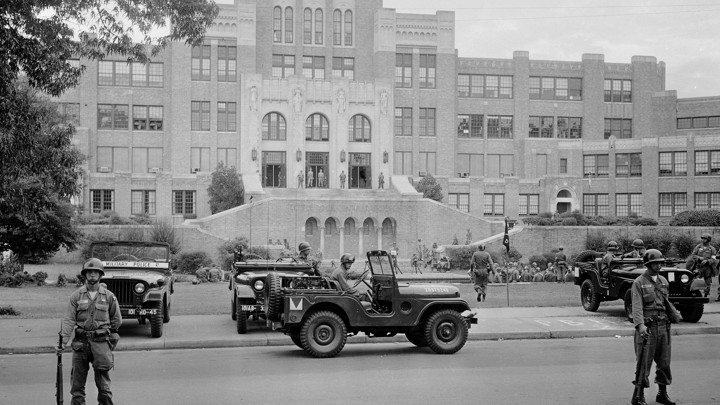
(339, 275)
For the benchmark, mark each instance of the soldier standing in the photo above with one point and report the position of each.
(310, 178)
(93, 316)
(301, 180)
(652, 314)
(705, 262)
(321, 179)
(304, 257)
(561, 265)
(381, 180)
(342, 179)
(481, 265)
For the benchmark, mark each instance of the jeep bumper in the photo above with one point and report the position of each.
(470, 317)
(689, 300)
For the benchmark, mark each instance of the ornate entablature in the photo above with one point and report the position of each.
(541, 64)
(570, 144)
(672, 142)
(626, 144)
(415, 36)
(485, 63)
(596, 146)
(707, 140)
(618, 67)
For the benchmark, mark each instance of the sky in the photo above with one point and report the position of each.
(685, 34)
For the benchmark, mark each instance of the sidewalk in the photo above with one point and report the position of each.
(24, 336)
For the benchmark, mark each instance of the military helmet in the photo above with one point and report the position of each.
(303, 246)
(481, 247)
(347, 258)
(653, 256)
(612, 245)
(706, 236)
(560, 248)
(93, 264)
(638, 243)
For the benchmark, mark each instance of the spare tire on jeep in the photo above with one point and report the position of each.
(586, 256)
(273, 300)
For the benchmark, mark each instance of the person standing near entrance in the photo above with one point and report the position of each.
(394, 257)
(381, 181)
(481, 265)
(301, 180)
(310, 177)
(342, 179)
(321, 179)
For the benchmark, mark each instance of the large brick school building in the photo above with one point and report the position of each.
(350, 89)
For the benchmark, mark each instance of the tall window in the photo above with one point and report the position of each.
(540, 127)
(155, 75)
(494, 204)
(317, 128)
(359, 129)
(628, 204)
(142, 202)
(200, 62)
(529, 204)
(318, 26)
(569, 127)
(427, 71)
(183, 202)
(102, 200)
(199, 160)
(288, 25)
(200, 115)
(618, 91)
(470, 126)
(277, 25)
(596, 204)
(485, 86)
(403, 69)
(274, 169)
(427, 162)
(500, 126)
(621, 128)
(227, 63)
(274, 127)
(136, 74)
(403, 163)
(344, 67)
(337, 27)
(139, 74)
(459, 201)
(348, 28)
(673, 163)
(227, 117)
(106, 75)
(314, 67)
(707, 162)
(307, 26)
(596, 165)
(555, 88)
(147, 160)
(563, 165)
(672, 204)
(112, 159)
(469, 164)
(427, 122)
(283, 66)
(113, 116)
(707, 201)
(147, 118)
(403, 121)
(628, 164)
(500, 165)
(227, 156)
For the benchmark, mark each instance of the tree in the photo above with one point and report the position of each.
(39, 172)
(430, 188)
(38, 37)
(226, 189)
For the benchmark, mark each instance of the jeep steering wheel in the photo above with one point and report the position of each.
(362, 279)
(124, 256)
(286, 260)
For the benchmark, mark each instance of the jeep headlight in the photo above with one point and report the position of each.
(259, 285)
(139, 288)
(684, 278)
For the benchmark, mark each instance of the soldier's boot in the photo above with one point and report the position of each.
(638, 396)
(662, 396)
(479, 297)
(483, 297)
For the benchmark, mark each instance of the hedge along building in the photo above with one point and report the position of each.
(350, 87)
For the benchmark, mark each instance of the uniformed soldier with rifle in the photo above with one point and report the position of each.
(652, 315)
(93, 318)
(704, 262)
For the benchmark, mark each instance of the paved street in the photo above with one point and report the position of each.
(564, 371)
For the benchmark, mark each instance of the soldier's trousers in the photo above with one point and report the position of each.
(80, 366)
(656, 349)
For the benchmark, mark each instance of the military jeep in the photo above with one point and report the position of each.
(141, 277)
(318, 316)
(248, 285)
(685, 288)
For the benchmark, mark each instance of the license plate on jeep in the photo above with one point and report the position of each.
(142, 312)
(252, 307)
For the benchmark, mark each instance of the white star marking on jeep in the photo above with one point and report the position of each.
(294, 306)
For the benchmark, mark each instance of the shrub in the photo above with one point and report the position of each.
(539, 259)
(624, 243)
(9, 310)
(99, 235)
(661, 241)
(455, 240)
(549, 256)
(62, 280)
(164, 231)
(191, 261)
(40, 277)
(460, 259)
(643, 221)
(133, 234)
(569, 222)
(596, 242)
(499, 258)
(696, 218)
(228, 248)
(684, 243)
(142, 219)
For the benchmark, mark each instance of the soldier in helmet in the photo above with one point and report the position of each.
(93, 317)
(705, 261)
(340, 274)
(560, 265)
(652, 314)
(638, 250)
(304, 257)
(612, 248)
(481, 265)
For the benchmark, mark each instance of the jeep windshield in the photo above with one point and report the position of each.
(130, 252)
(379, 262)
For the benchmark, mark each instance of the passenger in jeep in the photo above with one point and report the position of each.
(339, 275)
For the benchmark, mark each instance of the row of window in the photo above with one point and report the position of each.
(698, 122)
(404, 69)
(707, 162)
(184, 202)
(313, 26)
(317, 128)
(135, 74)
(117, 116)
(313, 67)
(200, 116)
(200, 56)
(112, 159)
(540, 88)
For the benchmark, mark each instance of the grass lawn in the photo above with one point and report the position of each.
(214, 298)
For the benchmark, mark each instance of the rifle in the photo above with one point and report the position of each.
(59, 375)
(642, 359)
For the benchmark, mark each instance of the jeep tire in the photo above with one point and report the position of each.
(416, 337)
(156, 321)
(273, 299)
(241, 321)
(446, 331)
(296, 339)
(323, 334)
(589, 296)
(692, 312)
(166, 313)
(586, 256)
(233, 309)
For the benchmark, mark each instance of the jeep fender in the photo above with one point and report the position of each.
(459, 306)
(243, 291)
(698, 284)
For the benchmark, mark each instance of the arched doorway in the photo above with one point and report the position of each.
(564, 202)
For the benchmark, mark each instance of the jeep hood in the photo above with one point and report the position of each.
(428, 290)
(123, 274)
